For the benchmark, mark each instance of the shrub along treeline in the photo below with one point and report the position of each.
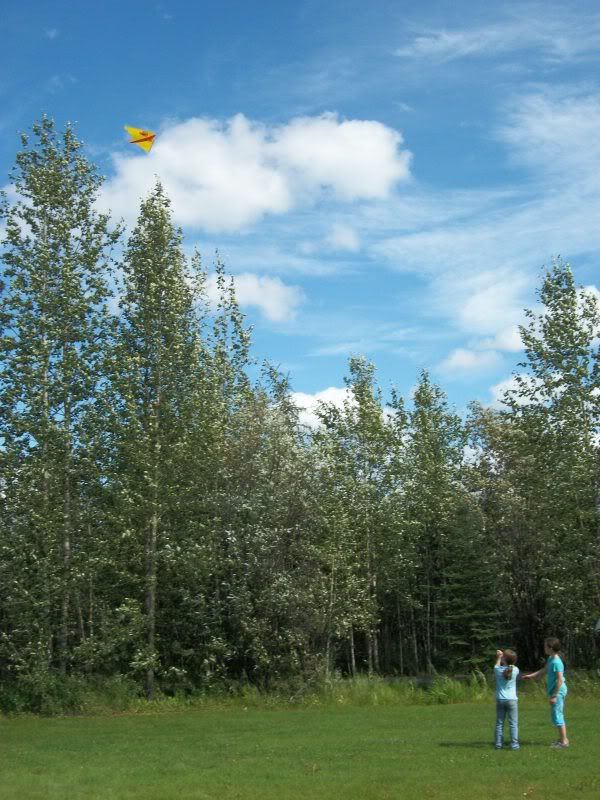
(164, 517)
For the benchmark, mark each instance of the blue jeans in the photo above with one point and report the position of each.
(510, 707)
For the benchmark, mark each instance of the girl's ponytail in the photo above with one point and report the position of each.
(510, 658)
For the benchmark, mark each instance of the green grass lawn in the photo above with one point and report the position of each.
(414, 752)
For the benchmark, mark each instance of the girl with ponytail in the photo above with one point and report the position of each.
(506, 673)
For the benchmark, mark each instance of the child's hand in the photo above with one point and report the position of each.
(553, 701)
(499, 653)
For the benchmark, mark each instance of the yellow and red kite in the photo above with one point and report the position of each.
(144, 139)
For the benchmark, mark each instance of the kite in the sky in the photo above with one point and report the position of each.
(144, 139)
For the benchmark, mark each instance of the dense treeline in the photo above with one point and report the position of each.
(164, 516)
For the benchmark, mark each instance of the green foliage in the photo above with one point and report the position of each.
(56, 264)
(539, 472)
(166, 522)
(49, 694)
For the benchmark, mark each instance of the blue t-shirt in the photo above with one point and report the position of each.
(506, 689)
(554, 665)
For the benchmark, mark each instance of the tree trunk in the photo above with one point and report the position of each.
(66, 545)
(91, 609)
(400, 642)
(82, 636)
(414, 639)
(352, 653)
(329, 618)
(151, 547)
(151, 598)
(376, 662)
(428, 629)
(43, 543)
(374, 632)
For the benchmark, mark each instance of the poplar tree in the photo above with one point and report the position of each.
(54, 310)
(399, 553)
(270, 566)
(556, 411)
(352, 449)
(510, 490)
(154, 379)
(433, 454)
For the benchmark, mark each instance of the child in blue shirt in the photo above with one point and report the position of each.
(506, 674)
(556, 687)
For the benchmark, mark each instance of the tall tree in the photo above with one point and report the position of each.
(433, 457)
(556, 413)
(352, 447)
(54, 308)
(154, 378)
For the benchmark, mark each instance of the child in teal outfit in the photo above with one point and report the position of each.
(506, 674)
(556, 687)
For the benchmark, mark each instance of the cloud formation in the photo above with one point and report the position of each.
(343, 237)
(463, 360)
(308, 403)
(557, 36)
(554, 132)
(225, 176)
(481, 260)
(508, 339)
(277, 301)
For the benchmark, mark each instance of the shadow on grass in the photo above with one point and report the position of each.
(488, 745)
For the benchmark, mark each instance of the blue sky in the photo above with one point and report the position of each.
(382, 178)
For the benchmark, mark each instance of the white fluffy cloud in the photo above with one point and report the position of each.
(225, 176)
(276, 300)
(508, 339)
(488, 307)
(355, 158)
(463, 360)
(308, 403)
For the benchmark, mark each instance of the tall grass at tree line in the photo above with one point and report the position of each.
(60, 695)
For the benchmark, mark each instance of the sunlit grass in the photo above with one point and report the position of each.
(382, 750)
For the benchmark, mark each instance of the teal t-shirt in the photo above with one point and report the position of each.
(554, 665)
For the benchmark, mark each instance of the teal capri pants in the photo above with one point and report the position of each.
(557, 709)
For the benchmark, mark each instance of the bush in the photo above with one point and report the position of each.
(50, 694)
(43, 692)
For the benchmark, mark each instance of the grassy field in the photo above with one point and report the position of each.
(412, 752)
